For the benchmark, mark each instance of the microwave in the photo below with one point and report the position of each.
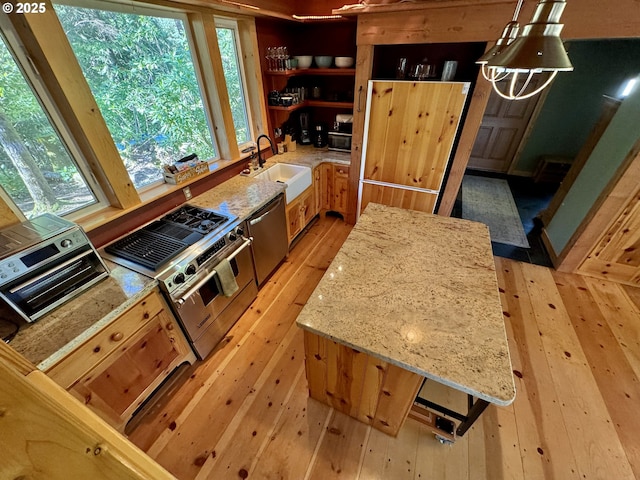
(339, 141)
(44, 262)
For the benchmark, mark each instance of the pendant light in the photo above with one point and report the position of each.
(521, 54)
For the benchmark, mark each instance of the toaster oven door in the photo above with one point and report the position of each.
(39, 291)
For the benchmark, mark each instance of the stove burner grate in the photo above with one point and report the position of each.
(146, 248)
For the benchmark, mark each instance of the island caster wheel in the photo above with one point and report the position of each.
(444, 440)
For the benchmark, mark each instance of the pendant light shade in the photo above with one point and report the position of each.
(537, 49)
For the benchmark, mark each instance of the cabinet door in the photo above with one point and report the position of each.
(294, 220)
(307, 207)
(326, 188)
(115, 388)
(317, 189)
(340, 199)
(411, 128)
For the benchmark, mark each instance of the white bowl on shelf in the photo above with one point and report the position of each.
(344, 62)
(323, 61)
(304, 61)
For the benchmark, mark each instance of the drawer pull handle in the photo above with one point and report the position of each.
(116, 337)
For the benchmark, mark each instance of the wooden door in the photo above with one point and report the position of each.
(503, 126)
(410, 128)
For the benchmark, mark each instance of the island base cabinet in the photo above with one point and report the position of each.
(359, 385)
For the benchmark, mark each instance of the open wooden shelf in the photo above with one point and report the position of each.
(312, 103)
(328, 72)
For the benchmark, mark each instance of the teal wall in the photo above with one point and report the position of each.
(615, 143)
(574, 102)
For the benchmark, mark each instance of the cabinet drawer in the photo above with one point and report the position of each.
(72, 367)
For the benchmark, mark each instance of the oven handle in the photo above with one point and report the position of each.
(37, 278)
(192, 290)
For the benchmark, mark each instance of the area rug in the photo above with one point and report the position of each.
(490, 201)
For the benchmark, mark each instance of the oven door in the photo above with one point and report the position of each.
(206, 314)
(41, 290)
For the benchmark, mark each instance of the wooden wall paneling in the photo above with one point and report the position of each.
(47, 46)
(364, 67)
(468, 21)
(397, 197)
(609, 108)
(603, 215)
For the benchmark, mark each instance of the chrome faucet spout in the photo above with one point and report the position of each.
(273, 150)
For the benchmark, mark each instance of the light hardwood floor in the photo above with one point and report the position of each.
(575, 347)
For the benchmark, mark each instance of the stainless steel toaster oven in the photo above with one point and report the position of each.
(43, 263)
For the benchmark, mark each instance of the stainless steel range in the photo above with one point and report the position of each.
(187, 251)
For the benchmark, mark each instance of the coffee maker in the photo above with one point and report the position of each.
(320, 136)
(305, 137)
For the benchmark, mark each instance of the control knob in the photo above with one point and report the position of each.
(66, 243)
(179, 278)
(240, 231)
(191, 269)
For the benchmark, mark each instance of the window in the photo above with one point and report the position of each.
(228, 44)
(140, 70)
(37, 171)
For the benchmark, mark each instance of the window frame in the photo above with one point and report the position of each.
(49, 108)
(46, 46)
(233, 25)
(183, 16)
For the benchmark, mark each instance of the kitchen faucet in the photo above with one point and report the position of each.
(260, 159)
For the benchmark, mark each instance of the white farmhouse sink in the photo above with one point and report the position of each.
(297, 178)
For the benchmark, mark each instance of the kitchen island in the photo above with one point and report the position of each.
(409, 296)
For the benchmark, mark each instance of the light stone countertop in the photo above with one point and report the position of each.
(55, 335)
(312, 157)
(418, 291)
(240, 196)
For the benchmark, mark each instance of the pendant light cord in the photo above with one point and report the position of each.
(516, 13)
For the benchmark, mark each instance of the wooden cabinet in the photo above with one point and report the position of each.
(117, 369)
(300, 212)
(407, 152)
(334, 179)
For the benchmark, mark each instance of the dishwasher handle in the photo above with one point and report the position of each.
(271, 207)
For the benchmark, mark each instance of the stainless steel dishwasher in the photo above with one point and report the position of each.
(268, 227)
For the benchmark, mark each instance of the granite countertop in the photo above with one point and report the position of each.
(56, 334)
(312, 157)
(418, 291)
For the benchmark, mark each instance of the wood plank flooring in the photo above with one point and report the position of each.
(575, 349)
